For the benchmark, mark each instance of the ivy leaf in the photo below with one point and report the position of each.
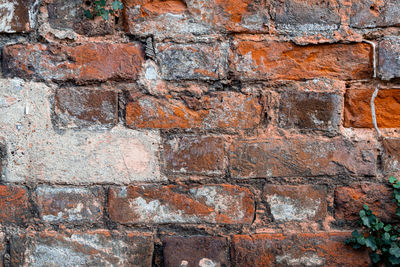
(104, 14)
(393, 260)
(88, 14)
(365, 207)
(375, 257)
(117, 5)
(392, 180)
(386, 237)
(370, 242)
(387, 228)
(395, 250)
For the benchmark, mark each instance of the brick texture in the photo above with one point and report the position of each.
(223, 204)
(82, 63)
(389, 58)
(357, 112)
(14, 204)
(16, 15)
(299, 249)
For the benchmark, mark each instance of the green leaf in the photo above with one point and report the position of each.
(104, 13)
(392, 179)
(386, 237)
(393, 260)
(394, 250)
(365, 207)
(370, 242)
(101, 3)
(88, 14)
(117, 5)
(387, 228)
(361, 240)
(375, 257)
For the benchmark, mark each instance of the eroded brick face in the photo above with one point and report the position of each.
(94, 248)
(14, 204)
(196, 251)
(374, 13)
(357, 112)
(82, 63)
(221, 204)
(16, 15)
(328, 249)
(389, 58)
(301, 156)
(191, 154)
(255, 60)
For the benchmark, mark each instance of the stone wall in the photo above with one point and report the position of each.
(195, 132)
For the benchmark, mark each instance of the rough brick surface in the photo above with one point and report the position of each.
(14, 204)
(82, 248)
(82, 63)
(374, 13)
(223, 204)
(301, 156)
(311, 15)
(296, 203)
(300, 249)
(194, 61)
(195, 251)
(69, 204)
(349, 201)
(192, 154)
(17, 15)
(225, 110)
(357, 112)
(3, 248)
(310, 110)
(85, 107)
(389, 57)
(254, 60)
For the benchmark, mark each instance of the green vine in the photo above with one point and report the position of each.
(382, 239)
(101, 8)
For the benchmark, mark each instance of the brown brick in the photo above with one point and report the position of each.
(195, 250)
(81, 63)
(192, 61)
(254, 60)
(15, 17)
(299, 249)
(302, 156)
(349, 201)
(226, 110)
(309, 15)
(310, 110)
(357, 109)
(197, 155)
(374, 13)
(296, 202)
(217, 204)
(14, 204)
(85, 107)
(391, 156)
(69, 204)
(82, 248)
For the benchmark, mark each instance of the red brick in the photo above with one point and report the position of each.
(296, 202)
(69, 204)
(389, 57)
(195, 250)
(85, 107)
(3, 248)
(192, 154)
(192, 61)
(219, 110)
(81, 63)
(349, 201)
(82, 248)
(14, 204)
(255, 60)
(15, 17)
(299, 249)
(310, 110)
(357, 111)
(216, 204)
(146, 17)
(302, 156)
(391, 156)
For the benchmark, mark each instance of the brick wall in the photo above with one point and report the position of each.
(195, 133)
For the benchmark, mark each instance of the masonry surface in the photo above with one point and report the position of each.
(195, 133)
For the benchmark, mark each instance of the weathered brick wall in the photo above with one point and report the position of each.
(195, 133)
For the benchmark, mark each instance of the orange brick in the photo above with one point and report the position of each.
(14, 204)
(256, 60)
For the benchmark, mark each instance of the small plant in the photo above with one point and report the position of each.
(101, 8)
(382, 239)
